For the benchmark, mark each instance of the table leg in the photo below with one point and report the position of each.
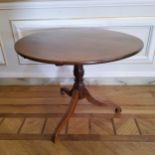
(107, 103)
(84, 93)
(78, 92)
(69, 113)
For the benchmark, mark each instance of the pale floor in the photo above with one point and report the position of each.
(76, 148)
(134, 100)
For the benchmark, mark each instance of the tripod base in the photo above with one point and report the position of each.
(90, 98)
(78, 92)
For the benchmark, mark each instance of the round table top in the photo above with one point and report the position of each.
(75, 46)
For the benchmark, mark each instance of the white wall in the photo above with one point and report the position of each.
(133, 17)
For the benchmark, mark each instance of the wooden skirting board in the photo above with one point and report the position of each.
(33, 112)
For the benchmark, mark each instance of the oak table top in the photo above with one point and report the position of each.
(70, 46)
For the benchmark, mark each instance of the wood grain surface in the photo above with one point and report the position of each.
(78, 46)
(131, 133)
(33, 112)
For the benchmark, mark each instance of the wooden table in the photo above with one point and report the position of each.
(78, 47)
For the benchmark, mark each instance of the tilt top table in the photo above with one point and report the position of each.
(78, 47)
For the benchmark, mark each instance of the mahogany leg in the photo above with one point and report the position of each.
(70, 111)
(92, 100)
(78, 92)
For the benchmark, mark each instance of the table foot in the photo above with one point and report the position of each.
(67, 91)
(118, 110)
(69, 113)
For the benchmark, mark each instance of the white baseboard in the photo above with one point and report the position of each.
(69, 81)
